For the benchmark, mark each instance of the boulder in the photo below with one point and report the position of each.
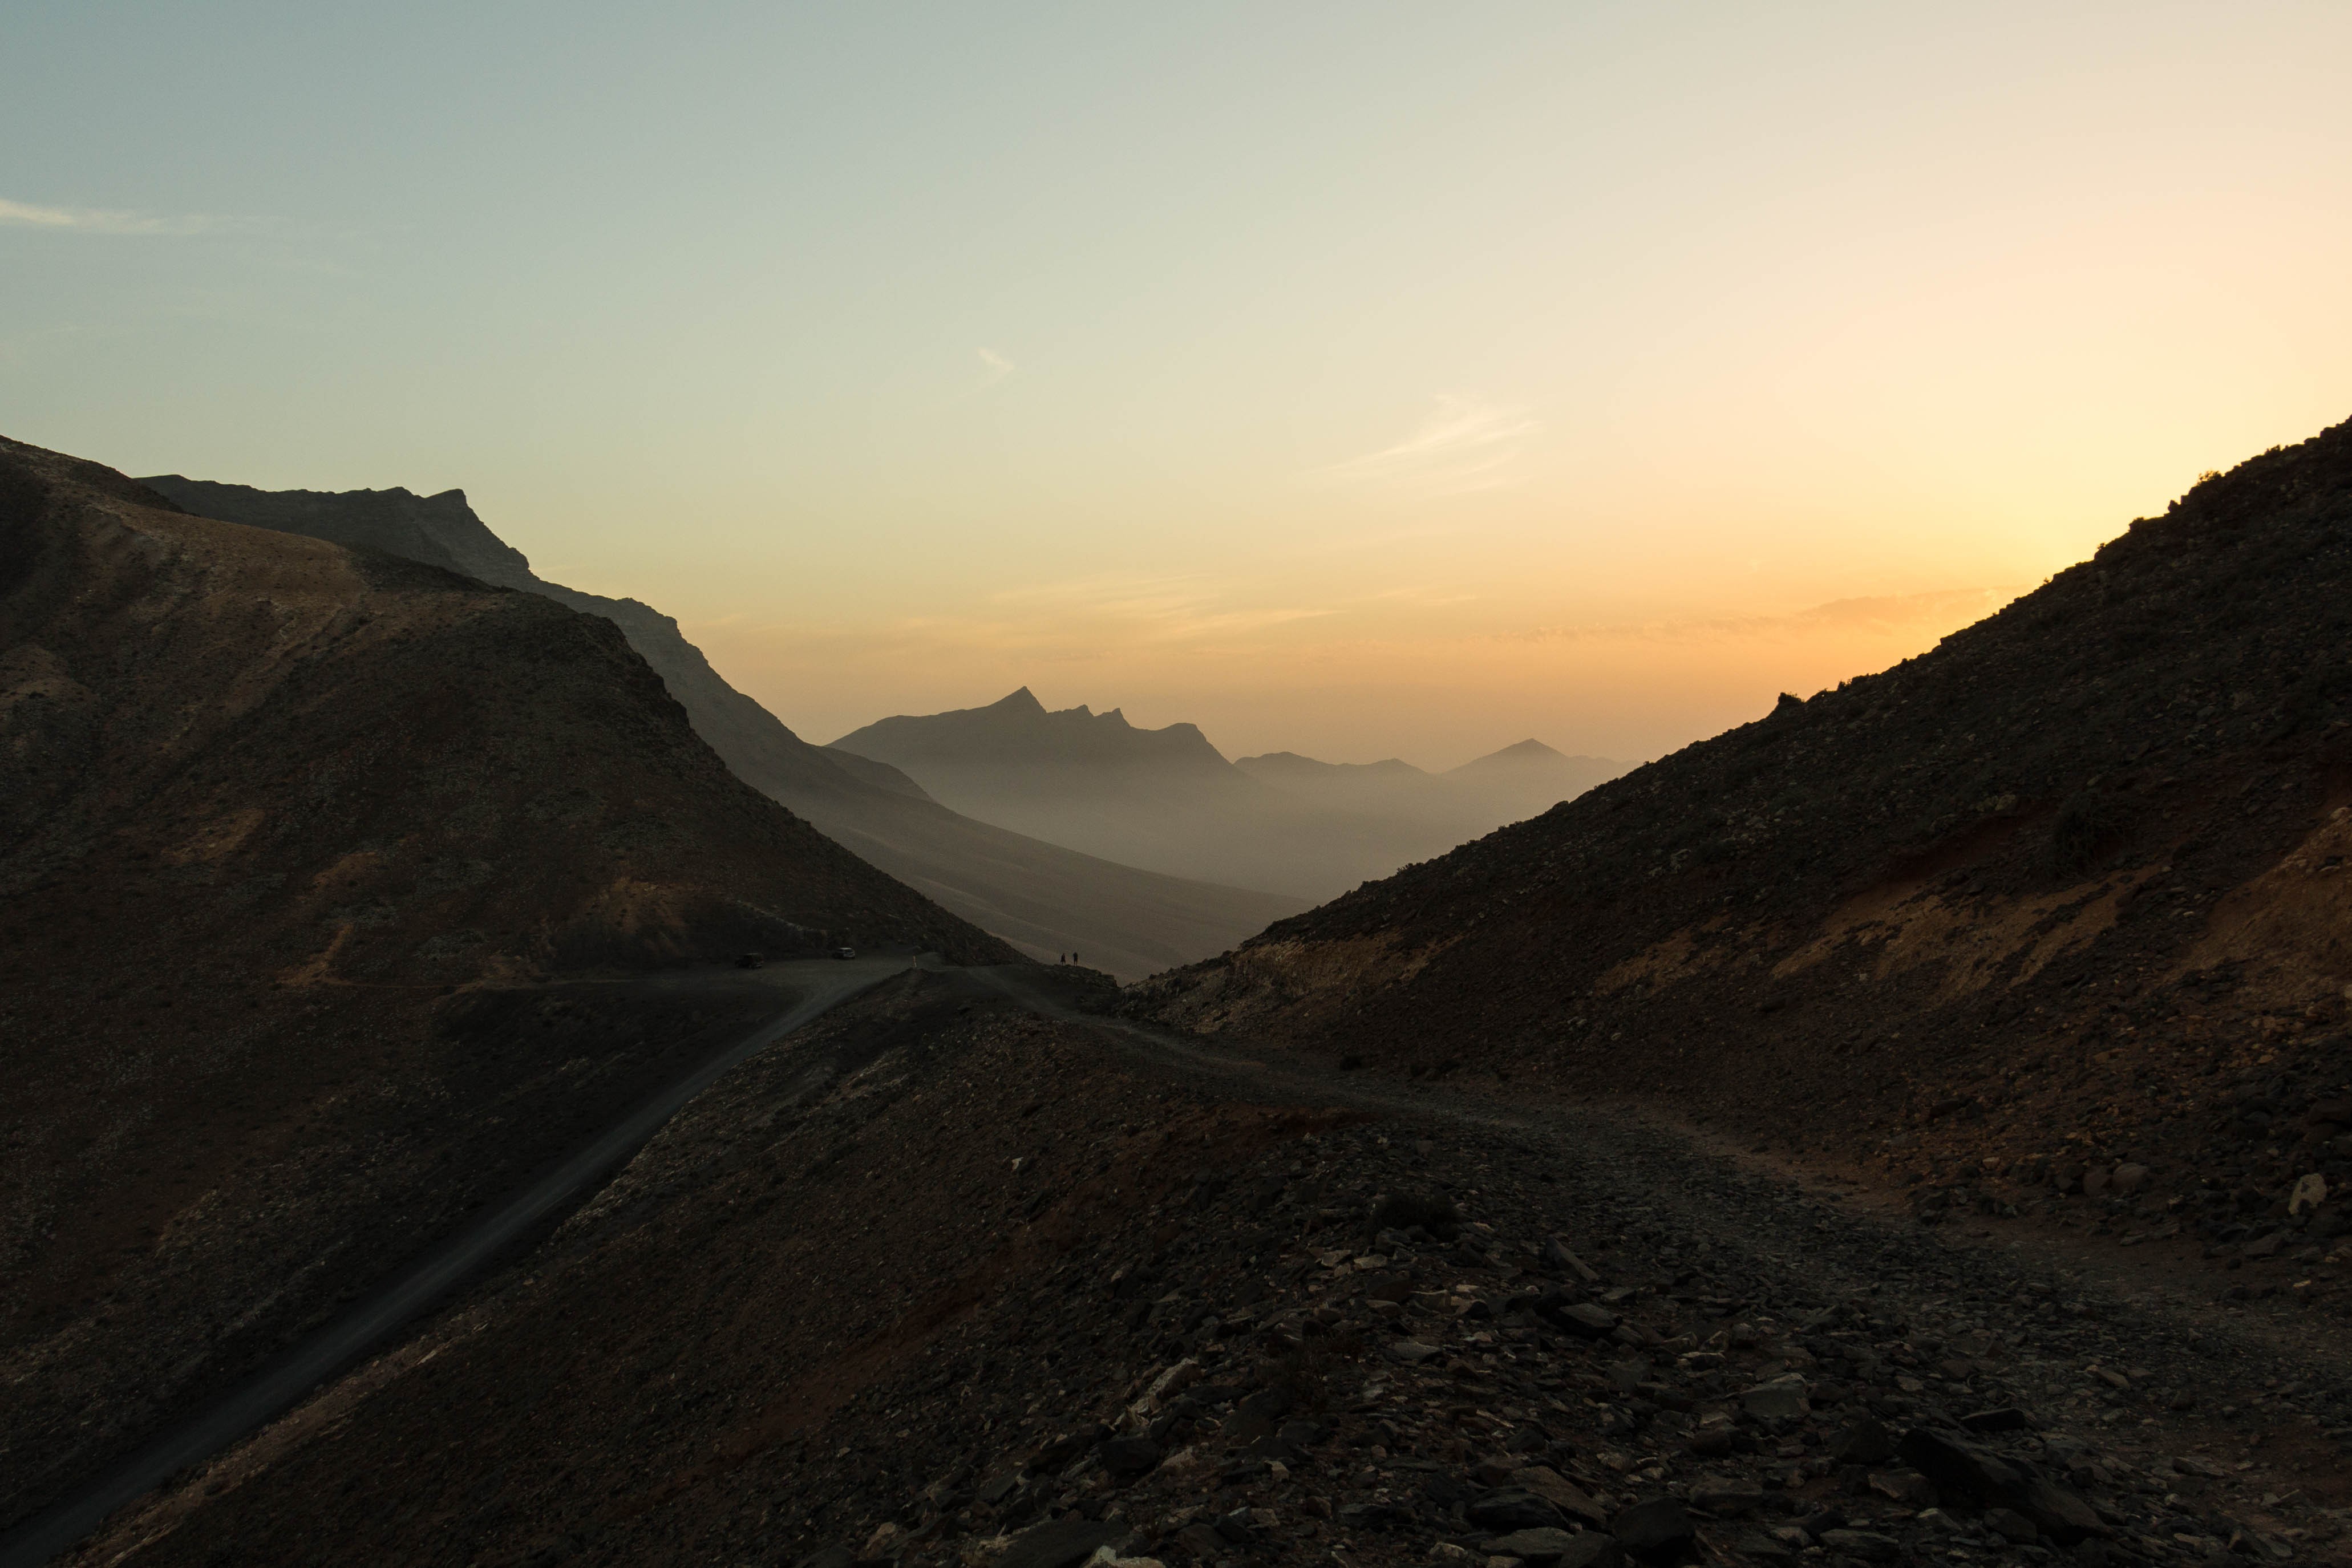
(1959, 1469)
(1561, 1493)
(1064, 1543)
(1587, 1321)
(1781, 1399)
(1657, 1530)
(1727, 1498)
(1864, 1441)
(2309, 1192)
(1128, 1456)
(1542, 1546)
(1512, 1508)
(1866, 1544)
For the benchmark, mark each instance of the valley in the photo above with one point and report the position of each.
(1911, 1126)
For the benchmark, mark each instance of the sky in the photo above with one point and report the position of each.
(1360, 380)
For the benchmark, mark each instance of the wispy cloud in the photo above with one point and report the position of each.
(99, 220)
(1464, 445)
(999, 367)
(1148, 609)
(1882, 613)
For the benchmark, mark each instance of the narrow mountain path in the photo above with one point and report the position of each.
(2128, 1356)
(820, 985)
(2254, 1396)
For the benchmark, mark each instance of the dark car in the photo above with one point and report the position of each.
(749, 960)
(844, 952)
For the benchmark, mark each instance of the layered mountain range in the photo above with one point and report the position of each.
(1042, 895)
(1168, 799)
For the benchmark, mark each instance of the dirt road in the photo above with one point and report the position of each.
(819, 986)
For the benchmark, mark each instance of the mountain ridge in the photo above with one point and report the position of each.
(1042, 896)
(336, 891)
(1168, 799)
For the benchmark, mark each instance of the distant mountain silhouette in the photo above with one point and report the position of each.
(1530, 778)
(1167, 799)
(1039, 896)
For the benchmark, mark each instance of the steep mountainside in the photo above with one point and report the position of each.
(1045, 898)
(1167, 799)
(296, 845)
(2060, 906)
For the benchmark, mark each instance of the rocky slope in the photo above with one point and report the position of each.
(2053, 919)
(1133, 1310)
(1044, 897)
(329, 887)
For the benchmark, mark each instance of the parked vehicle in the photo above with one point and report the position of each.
(748, 961)
(844, 952)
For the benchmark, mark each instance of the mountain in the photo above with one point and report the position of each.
(1464, 802)
(1015, 740)
(2063, 897)
(1169, 799)
(1039, 896)
(1530, 778)
(337, 894)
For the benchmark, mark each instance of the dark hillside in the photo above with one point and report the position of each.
(334, 891)
(1039, 896)
(2063, 895)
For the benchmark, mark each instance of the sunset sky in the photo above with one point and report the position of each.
(1353, 379)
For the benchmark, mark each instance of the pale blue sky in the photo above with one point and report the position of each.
(1353, 379)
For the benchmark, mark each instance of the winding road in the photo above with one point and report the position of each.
(821, 985)
(1633, 1173)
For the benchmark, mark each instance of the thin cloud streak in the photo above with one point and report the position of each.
(99, 220)
(1464, 445)
(1881, 613)
(999, 367)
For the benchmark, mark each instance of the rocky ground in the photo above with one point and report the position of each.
(947, 1282)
